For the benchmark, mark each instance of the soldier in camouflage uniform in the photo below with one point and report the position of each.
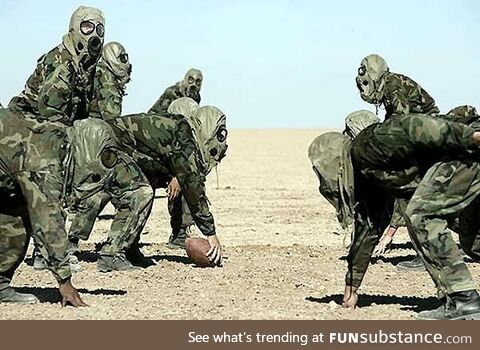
(44, 167)
(168, 139)
(112, 75)
(190, 86)
(60, 88)
(465, 114)
(397, 93)
(328, 153)
(157, 168)
(413, 155)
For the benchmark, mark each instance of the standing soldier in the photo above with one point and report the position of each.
(190, 86)
(397, 93)
(113, 73)
(60, 88)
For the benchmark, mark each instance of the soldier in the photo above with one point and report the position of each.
(44, 167)
(408, 155)
(209, 126)
(328, 154)
(157, 168)
(329, 165)
(465, 114)
(190, 86)
(397, 93)
(60, 88)
(113, 73)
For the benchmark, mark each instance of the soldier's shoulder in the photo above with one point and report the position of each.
(55, 56)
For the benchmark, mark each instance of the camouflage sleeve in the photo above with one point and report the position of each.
(372, 217)
(438, 134)
(186, 167)
(164, 101)
(42, 192)
(109, 100)
(55, 95)
(396, 99)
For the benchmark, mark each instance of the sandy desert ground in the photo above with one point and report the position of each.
(284, 259)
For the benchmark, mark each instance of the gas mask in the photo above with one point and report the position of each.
(209, 126)
(356, 121)
(211, 134)
(115, 57)
(86, 31)
(370, 79)
(94, 154)
(192, 83)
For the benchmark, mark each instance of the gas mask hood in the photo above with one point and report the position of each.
(85, 36)
(192, 83)
(370, 78)
(212, 135)
(209, 126)
(356, 121)
(115, 57)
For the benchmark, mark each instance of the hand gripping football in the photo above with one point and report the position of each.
(197, 249)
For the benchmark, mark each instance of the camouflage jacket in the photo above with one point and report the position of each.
(107, 94)
(171, 94)
(31, 161)
(168, 139)
(402, 95)
(389, 161)
(57, 90)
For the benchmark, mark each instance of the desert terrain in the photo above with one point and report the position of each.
(284, 257)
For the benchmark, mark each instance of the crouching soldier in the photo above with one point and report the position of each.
(165, 147)
(43, 168)
(431, 163)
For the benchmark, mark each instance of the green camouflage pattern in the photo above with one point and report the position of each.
(170, 94)
(117, 177)
(464, 111)
(50, 167)
(189, 87)
(31, 155)
(108, 94)
(446, 190)
(402, 95)
(169, 140)
(390, 160)
(57, 90)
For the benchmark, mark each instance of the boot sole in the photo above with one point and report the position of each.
(109, 269)
(20, 302)
(471, 317)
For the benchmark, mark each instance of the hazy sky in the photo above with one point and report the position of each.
(265, 63)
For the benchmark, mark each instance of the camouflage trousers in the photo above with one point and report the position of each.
(180, 217)
(15, 233)
(132, 196)
(447, 191)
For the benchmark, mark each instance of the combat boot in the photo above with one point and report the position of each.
(458, 306)
(137, 258)
(118, 262)
(9, 295)
(177, 238)
(72, 251)
(416, 264)
(38, 262)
